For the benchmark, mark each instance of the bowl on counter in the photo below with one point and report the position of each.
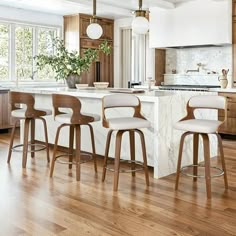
(78, 86)
(101, 85)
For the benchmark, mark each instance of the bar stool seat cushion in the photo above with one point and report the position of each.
(124, 123)
(198, 125)
(20, 113)
(66, 118)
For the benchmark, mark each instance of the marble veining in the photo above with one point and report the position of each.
(213, 59)
(162, 141)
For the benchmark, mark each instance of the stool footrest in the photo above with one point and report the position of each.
(40, 147)
(127, 171)
(201, 176)
(82, 159)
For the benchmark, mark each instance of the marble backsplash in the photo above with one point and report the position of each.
(212, 59)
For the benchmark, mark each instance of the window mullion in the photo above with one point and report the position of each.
(12, 54)
(35, 51)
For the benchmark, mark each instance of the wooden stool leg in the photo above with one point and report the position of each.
(106, 154)
(32, 136)
(132, 150)
(55, 150)
(77, 151)
(25, 145)
(181, 145)
(11, 142)
(144, 156)
(207, 163)
(46, 138)
(71, 145)
(222, 159)
(93, 147)
(117, 159)
(195, 155)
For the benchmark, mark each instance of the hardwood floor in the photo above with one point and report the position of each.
(33, 204)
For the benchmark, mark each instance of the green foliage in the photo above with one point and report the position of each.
(65, 63)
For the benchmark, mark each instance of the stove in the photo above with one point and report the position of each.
(187, 87)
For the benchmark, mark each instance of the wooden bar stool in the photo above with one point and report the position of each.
(22, 108)
(202, 127)
(121, 125)
(74, 120)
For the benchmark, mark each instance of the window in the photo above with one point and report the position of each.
(19, 44)
(24, 52)
(45, 39)
(4, 51)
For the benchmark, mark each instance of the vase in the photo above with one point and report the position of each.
(223, 81)
(72, 80)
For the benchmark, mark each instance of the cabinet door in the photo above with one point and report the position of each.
(107, 30)
(88, 77)
(234, 8)
(5, 117)
(106, 24)
(229, 126)
(106, 70)
(84, 23)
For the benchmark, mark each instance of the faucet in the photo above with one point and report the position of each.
(199, 65)
(193, 70)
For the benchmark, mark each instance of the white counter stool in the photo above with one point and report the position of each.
(121, 125)
(74, 120)
(29, 114)
(202, 127)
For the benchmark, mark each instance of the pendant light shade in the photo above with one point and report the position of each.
(94, 30)
(140, 24)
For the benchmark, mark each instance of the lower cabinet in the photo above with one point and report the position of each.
(5, 115)
(230, 124)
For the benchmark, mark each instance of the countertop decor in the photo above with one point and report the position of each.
(69, 65)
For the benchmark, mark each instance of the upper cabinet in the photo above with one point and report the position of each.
(76, 38)
(200, 22)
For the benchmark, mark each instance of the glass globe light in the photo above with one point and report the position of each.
(94, 31)
(140, 25)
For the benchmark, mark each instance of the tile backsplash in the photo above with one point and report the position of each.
(212, 58)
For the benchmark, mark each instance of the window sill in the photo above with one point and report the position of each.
(35, 83)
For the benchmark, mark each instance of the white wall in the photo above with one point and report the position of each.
(199, 22)
(33, 17)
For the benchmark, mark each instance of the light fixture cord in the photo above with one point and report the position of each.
(94, 8)
(140, 4)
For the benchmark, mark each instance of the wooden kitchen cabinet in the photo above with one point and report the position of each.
(5, 115)
(230, 124)
(234, 40)
(75, 37)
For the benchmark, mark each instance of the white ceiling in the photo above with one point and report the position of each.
(106, 8)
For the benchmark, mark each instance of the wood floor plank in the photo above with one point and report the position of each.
(33, 204)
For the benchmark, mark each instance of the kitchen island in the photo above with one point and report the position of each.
(161, 108)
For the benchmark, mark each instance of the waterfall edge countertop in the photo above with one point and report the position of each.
(161, 108)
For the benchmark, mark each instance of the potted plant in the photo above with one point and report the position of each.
(69, 65)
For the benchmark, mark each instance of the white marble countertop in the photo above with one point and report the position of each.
(226, 90)
(148, 96)
(162, 108)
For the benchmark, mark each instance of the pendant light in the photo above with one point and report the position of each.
(140, 24)
(94, 30)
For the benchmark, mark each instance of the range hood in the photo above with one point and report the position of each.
(198, 46)
(191, 24)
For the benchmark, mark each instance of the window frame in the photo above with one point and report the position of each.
(12, 53)
(9, 46)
